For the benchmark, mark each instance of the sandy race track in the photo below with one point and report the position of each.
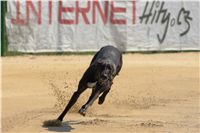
(153, 93)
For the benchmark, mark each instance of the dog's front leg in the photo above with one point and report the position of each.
(82, 87)
(103, 96)
(95, 94)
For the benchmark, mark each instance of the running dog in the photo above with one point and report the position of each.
(105, 65)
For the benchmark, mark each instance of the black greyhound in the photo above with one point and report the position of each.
(104, 66)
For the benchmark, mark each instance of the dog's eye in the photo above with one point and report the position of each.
(109, 67)
(101, 66)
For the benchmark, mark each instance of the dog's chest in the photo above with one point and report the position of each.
(91, 84)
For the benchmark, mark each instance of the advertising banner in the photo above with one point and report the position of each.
(69, 25)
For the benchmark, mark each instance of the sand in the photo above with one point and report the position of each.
(153, 93)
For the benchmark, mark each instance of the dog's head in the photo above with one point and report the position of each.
(105, 70)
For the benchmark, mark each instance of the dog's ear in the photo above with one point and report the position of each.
(113, 67)
(100, 62)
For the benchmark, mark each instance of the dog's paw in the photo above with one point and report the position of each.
(82, 112)
(101, 100)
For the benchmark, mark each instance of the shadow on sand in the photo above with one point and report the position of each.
(66, 127)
